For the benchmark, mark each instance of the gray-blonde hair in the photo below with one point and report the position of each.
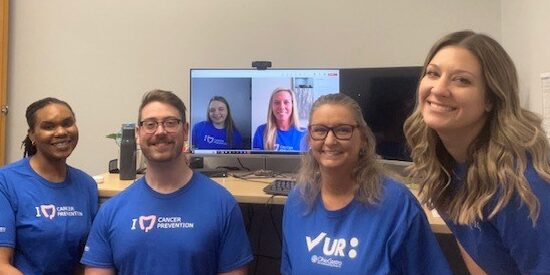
(368, 172)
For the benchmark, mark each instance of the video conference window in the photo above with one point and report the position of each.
(253, 111)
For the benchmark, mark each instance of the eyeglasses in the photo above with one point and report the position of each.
(170, 125)
(341, 132)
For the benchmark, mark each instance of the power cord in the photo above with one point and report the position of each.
(242, 166)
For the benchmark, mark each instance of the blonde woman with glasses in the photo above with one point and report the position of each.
(346, 216)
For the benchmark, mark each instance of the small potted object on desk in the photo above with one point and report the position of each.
(130, 161)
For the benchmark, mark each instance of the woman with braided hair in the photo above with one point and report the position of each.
(47, 206)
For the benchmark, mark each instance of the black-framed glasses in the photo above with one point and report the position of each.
(341, 132)
(170, 125)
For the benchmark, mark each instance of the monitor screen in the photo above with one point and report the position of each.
(387, 96)
(249, 111)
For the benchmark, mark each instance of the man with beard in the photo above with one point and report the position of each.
(171, 221)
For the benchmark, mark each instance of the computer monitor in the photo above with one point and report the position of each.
(244, 96)
(387, 96)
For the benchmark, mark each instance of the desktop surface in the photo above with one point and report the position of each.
(245, 191)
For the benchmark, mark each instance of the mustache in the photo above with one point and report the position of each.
(161, 140)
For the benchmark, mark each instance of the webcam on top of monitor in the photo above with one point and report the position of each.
(261, 65)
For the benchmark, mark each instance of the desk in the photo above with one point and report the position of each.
(244, 192)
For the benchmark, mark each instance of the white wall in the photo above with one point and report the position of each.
(102, 55)
(526, 37)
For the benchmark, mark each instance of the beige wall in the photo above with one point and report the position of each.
(525, 26)
(102, 55)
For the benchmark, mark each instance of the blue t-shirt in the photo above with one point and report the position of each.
(195, 230)
(391, 237)
(45, 223)
(290, 140)
(206, 136)
(508, 243)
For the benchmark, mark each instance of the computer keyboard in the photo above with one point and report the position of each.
(280, 187)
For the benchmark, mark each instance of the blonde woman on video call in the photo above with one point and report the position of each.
(282, 130)
(481, 160)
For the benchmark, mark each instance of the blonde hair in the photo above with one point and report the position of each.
(270, 133)
(497, 158)
(367, 173)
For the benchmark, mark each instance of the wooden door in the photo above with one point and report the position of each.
(4, 6)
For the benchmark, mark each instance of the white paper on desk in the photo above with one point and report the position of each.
(98, 179)
(545, 86)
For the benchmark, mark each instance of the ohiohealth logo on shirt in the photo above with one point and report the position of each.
(334, 249)
(279, 147)
(148, 223)
(212, 140)
(50, 211)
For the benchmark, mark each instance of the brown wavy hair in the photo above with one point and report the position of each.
(368, 171)
(497, 158)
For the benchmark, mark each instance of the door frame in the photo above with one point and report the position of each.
(4, 5)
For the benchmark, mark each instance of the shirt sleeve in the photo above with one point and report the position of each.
(304, 143)
(194, 133)
(285, 263)
(419, 252)
(94, 199)
(234, 250)
(258, 142)
(286, 268)
(98, 252)
(528, 244)
(7, 219)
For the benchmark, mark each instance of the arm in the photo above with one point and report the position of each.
(7, 235)
(419, 251)
(470, 263)
(194, 136)
(286, 268)
(239, 271)
(6, 256)
(99, 271)
(258, 140)
(234, 252)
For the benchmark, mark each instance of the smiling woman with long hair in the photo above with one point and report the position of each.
(218, 131)
(481, 160)
(47, 206)
(282, 131)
